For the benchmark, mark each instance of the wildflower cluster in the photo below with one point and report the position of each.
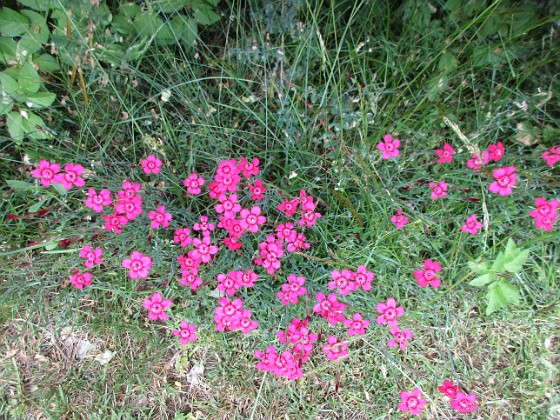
(464, 403)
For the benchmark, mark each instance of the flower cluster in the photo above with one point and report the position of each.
(389, 312)
(545, 214)
(464, 403)
(49, 173)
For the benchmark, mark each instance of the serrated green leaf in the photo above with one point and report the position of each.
(30, 124)
(204, 15)
(498, 265)
(495, 298)
(511, 248)
(29, 80)
(18, 185)
(46, 63)
(509, 292)
(12, 23)
(148, 24)
(15, 128)
(515, 264)
(482, 280)
(40, 99)
(9, 84)
(169, 6)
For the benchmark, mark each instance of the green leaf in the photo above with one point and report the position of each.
(18, 185)
(29, 125)
(6, 104)
(9, 85)
(122, 24)
(60, 189)
(511, 248)
(184, 29)
(15, 127)
(495, 298)
(29, 80)
(39, 5)
(516, 262)
(12, 23)
(130, 10)
(169, 6)
(37, 32)
(499, 262)
(46, 63)
(204, 15)
(508, 291)
(40, 99)
(37, 206)
(482, 280)
(7, 50)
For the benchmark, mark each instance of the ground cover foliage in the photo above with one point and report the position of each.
(310, 89)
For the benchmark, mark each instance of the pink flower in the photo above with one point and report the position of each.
(204, 249)
(70, 177)
(411, 401)
(249, 168)
(271, 252)
(97, 201)
(399, 220)
(439, 189)
(298, 244)
(476, 162)
(282, 365)
(428, 276)
(182, 237)
(156, 305)
(92, 257)
(80, 280)
(131, 208)
(363, 278)
(160, 217)
(329, 308)
(227, 176)
(299, 334)
(545, 214)
(190, 278)
(151, 165)
(228, 205)
(204, 226)
(286, 232)
(228, 314)
(115, 222)
(228, 283)
(389, 312)
(449, 389)
(138, 264)
(496, 151)
(46, 172)
(446, 154)
(552, 156)
(292, 290)
(545, 222)
(357, 324)
(400, 338)
(335, 348)
(505, 179)
(247, 278)
(251, 220)
(389, 147)
(464, 403)
(186, 333)
(257, 190)
(246, 325)
(193, 183)
(188, 264)
(471, 225)
(129, 192)
(289, 207)
(344, 281)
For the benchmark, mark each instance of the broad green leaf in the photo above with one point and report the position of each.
(18, 185)
(479, 267)
(29, 125)
(496, 299)
(38, 28)
(511, 248)
(7, 50)
(204, 15)
(482, 280)
(130, 10)
(29, 80)
(49, 246)
(169, 6)
(515, 264)
(39, 99)
(6, 104)
(15, 127)
(27, 46)
(12, 23)
(184, 29)
(498, 265)
(447, 62)
(60, 189)
(40, 5)
(508, 291)
(122, 24)
(9, 85)
(46, 63)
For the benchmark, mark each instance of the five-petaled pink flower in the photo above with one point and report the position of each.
(363, 278)
(70, 176)
(496, 151)
(552, 156)
(335, 348)
(193, 183)
(446, 154)
(476, 162)
(505, 179)
(157, 305)
(411, 401)
(545, 214)
(389, 147)
(138, 264)
(400, 337)
(46, 172)
(464, 403)
(186, 333)
(92, 256)
(428, 276)
(257, 190)
(399, 219)
(97, 201)
(449, 389)
(252, 219)
(471, 226)
(357, 324)
(439, 189)
(389, 312)
(151, 165)
(80, 280)
(159, 217)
